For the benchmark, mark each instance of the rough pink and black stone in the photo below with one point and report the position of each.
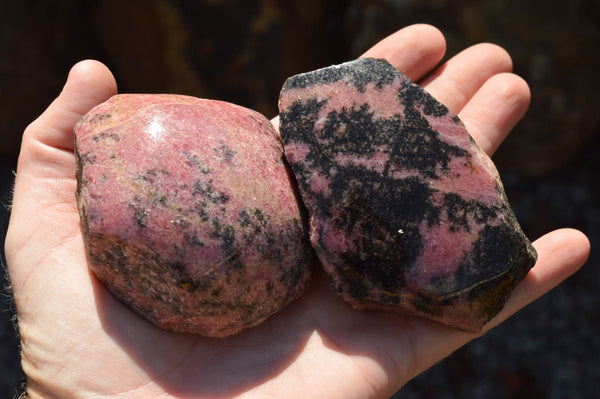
(406, 212)
(188, 212)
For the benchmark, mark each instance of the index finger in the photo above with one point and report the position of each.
(414, 50)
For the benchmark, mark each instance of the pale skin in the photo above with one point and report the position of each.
(79, 342)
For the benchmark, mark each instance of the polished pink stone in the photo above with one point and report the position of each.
(406, 212)
(188, 212)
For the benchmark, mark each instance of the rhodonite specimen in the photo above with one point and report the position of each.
(406, 212)
(188, 212)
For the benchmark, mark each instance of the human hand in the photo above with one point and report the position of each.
(78, 341)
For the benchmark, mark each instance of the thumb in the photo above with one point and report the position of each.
(46, 139)
(43, 206)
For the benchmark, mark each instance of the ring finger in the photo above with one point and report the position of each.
(495, 109)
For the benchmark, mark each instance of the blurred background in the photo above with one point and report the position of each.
(242, 51)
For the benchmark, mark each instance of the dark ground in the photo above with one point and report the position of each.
(241, 51)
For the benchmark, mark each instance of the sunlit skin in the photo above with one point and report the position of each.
(79, 342)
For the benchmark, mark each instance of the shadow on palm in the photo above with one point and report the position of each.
(316, 336)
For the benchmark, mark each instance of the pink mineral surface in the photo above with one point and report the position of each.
(406, 212)
(188, 212)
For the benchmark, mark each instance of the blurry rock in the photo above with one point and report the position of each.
(145, 44)
(39, 43)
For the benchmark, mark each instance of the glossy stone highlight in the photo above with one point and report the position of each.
(188, 212)
(406, 212)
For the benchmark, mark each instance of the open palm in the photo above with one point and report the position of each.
(78, 341)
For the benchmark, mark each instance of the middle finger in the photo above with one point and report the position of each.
(454, 83)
